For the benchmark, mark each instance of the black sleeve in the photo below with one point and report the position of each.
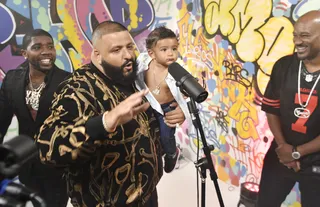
(271, 98)
(72, 132)
(6, 111)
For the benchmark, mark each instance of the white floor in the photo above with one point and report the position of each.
(178, 189)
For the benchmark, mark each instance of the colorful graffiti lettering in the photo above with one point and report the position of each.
(244, 22)
(231, 46)
(69, 22)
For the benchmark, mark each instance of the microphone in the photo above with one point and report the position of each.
(16, 152)
(13, 155)
(21, 193)
(10, 202)
(188, 85)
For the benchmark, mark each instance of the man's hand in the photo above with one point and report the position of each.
(174, 117)
(295, 165)
(284, 152)
(126, 110)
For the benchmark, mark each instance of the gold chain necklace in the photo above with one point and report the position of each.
(157, 89)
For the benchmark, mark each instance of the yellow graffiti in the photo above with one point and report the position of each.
(133, 7)
(274, 48)
(200, 57)
(295, 204)
(246, 24)
(246, 118)
(184, 28)
(216, 16)
(70, 32)
(235, 91)
(196, 49)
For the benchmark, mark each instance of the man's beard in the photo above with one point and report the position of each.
(116, 74)
(36, 66)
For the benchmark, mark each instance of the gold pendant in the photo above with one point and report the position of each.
(156, 91)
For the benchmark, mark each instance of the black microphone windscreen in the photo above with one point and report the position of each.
(15, 153)
(18, 149)
(188, 85)
(177, 71)
(8, 201)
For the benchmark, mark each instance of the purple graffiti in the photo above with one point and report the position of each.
(121, 13)
(7, 24)
(89, 13)
(11, 61)
(18, 19)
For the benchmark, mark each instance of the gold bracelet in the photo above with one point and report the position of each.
(105, 124)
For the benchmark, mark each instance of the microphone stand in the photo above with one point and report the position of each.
(205, 162)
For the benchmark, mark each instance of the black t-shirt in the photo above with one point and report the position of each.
(281, 98)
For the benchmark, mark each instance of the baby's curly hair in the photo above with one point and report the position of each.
(157, 34)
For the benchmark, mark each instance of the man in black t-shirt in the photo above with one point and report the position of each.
(291, 102)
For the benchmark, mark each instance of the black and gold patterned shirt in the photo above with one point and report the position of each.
(102, 169)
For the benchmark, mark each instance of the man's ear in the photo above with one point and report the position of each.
(96, 55)
(24, 53)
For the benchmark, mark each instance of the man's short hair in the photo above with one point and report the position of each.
(34, 33)
(106, 27)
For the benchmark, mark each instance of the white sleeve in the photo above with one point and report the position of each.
(143, 61)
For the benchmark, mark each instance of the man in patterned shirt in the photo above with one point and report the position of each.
(102, 130)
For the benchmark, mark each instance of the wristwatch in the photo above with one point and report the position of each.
(295, 154)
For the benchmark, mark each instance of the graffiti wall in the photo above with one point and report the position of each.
(230, 46)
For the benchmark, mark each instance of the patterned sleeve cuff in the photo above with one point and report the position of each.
(95, 129)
